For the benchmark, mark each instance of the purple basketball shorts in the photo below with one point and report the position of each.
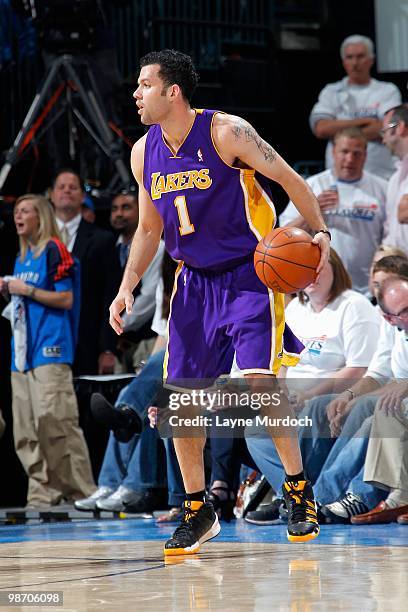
(215, 314)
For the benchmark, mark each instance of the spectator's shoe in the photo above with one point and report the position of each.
(199, 524)
(116, 501)
(146, 501)
(174, 515)
(380, 514)
(267, 514)
(123, 421)
(89, 503)
(223, 507)
(302, 511)
(342, 510)
(403, 519)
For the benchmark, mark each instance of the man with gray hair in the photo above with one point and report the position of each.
(386, 464)
(357, 100)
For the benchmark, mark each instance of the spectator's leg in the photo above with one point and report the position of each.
(337, 474)
(117, 458)
(146, 468)
(368, 494)
(174, 479)
(387, 454)
(140, 393)
(316, 441)
(27, 445)
(60, 437)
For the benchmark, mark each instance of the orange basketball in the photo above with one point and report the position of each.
(286, 260)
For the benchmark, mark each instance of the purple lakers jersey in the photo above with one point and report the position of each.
(213, 213)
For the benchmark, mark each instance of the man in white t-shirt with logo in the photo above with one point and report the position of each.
(353, 204)
(395, 137)
(357, 100)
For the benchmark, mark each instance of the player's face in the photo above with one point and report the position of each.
(67, 194)
(357, 63)
(320, 290)
(349, 155)
(151, 96)
(395, 306)
(26, 219)
(124, 213)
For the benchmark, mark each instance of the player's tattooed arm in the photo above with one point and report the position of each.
(243, 130)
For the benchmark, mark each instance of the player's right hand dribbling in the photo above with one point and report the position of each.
(124, 300)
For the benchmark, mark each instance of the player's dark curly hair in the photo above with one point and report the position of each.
(175, 68)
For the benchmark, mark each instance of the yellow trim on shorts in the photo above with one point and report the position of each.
(261, 217)
(166, 355)
(290, 359)
(279, 327)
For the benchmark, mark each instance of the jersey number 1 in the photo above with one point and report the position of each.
(185, 227)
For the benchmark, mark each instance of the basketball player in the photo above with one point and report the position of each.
(200, 179)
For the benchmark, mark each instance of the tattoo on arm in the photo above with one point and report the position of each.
(243, 129)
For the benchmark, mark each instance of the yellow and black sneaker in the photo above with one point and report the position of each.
(199, 524)
(302, 512)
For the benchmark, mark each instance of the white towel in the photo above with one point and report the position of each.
(15, 312)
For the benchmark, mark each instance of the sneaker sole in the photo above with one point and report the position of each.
(191, 550)
(81, 509)
(303, 538)
(277, 521)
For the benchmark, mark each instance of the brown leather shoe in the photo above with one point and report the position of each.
(380, 514)
(403, 519)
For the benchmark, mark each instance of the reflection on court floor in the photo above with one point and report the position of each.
(118, 565)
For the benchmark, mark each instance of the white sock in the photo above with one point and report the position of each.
(397, 498)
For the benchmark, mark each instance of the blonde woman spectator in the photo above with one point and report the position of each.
(47, 438)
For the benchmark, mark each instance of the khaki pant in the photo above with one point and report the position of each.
(386, 464)
(47, 438)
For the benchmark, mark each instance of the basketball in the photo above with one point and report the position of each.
(286, 260)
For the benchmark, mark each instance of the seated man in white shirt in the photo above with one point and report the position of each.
(353, 204)
(395, 137)
(386, 463)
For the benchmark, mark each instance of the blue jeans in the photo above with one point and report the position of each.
(137, 464)
(344, 470)
(227, 456)
(176, 494)
(317, 448)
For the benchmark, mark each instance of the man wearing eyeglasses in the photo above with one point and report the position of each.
(395, 136)
(357, 100)
(386, 464)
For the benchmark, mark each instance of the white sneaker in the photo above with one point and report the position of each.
(89, 503)
(345, 508)
(117, 500)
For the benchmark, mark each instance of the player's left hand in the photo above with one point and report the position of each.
(323, 241)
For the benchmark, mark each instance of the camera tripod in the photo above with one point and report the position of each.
(71, 89)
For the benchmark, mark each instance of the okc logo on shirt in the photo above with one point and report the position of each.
(179, 181)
